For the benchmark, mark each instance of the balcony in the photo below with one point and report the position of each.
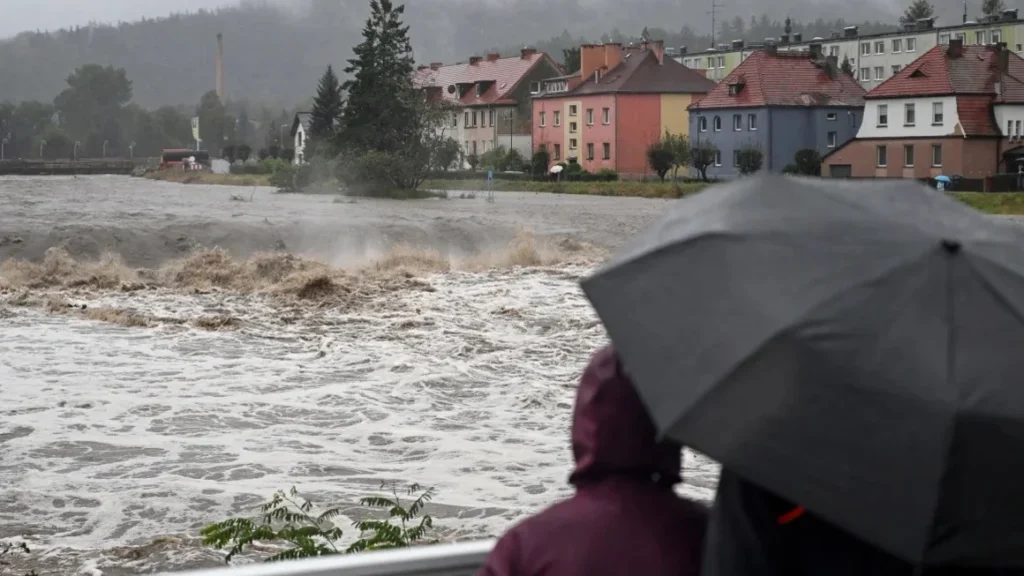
(459, 559)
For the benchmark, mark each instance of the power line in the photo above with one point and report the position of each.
(714, 13)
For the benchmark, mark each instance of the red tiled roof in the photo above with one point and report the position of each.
(497, 78)
(976, 117)
(783, 79)
(640, 72)
(975, 72)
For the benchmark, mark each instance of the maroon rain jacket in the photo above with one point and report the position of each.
(625, 519)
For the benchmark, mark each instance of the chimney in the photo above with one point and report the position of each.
(815, 50)
(220, 67)
(771, 50)
(493, 56)
(682, 50)
(737, 44)
(1003, 56)
(956, 47)
(850, 32)
(599, 56)
(784, 39)
(832, 66)
(422, 67)
(658, 47)
(528, 53)
(797, 37)
(436, 65)
(474, 60)
(925, 23)
(1009, 15)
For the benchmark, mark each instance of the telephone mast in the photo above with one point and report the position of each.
(714, 14)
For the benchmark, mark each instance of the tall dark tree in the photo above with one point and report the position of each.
(91, 106)
(917, 10)
(326, 114)
(212, 122)
(571, 59)
(992, 7)
(847, 65)
(380, 110)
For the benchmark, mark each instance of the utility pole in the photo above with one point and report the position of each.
(714, 13)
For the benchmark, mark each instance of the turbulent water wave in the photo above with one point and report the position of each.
(147, 394)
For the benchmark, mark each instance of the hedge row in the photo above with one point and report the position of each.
(604, 176)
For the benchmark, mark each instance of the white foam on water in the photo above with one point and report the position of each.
(116, 435)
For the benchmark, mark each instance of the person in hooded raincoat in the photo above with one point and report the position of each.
(625, 518)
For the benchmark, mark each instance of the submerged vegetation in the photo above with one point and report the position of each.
(306, 530)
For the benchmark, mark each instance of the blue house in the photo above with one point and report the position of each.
(778, 102)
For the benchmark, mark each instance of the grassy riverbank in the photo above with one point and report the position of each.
(210, 178)
(1006, 204)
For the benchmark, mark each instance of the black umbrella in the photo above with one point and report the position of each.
(856, 348)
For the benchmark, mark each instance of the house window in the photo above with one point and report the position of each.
(879, 73)
(455, 120)
(735, 157)
(590, 151)
(721, 61)
(909, 116)
(865, 48)
(937, 113)
(880, 47)
(912, 44)
(737, 122)
(831, 116)
(590, 116)
(936, 154)
(573, 144)
(711, 62)
(883, 115)
(466, 122)
(997, 37)
(573, 127)
(718, 157)
(1016, 125)
(607, 151)
(606, 117)
(492, 118)
(572, 110)
(1009, 128)
(908, 155)
(943, 40)
(300, 139)
(543, 119)
(831, 139)
(474, 146)
(558, 117)
(833, 50)
(895, 69)
(558, 151)
(979, 37)
(897, 45)
(751, 121)
(702, 122)
(865, 73)
(474, 119)
(718, 123)
(881, 155)
(467, 146)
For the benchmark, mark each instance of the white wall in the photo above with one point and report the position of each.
(1010, 113)
(300, 149)
(922, 127)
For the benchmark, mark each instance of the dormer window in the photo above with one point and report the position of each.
(479, 90)
(735, 88)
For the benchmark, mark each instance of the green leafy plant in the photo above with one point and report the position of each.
(288, 518)
(11, 549)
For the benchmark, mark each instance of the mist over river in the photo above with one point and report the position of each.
(170, 356)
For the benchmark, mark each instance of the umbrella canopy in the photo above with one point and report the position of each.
(855, 347)
(945, 179)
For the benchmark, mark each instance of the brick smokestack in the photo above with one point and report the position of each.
(220, 67)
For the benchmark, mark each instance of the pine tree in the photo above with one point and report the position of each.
(847, 66)
(326, 114)
(917, 10)
(992, 7)
(380, 111)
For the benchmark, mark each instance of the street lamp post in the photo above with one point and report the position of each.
(3, 147)
(280, 138)
(131, 151)
(75, 152)
(42, 144)
(104, 148)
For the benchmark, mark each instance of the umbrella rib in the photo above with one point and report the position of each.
(782, 330)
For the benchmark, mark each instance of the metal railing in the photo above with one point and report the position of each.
(459, 559)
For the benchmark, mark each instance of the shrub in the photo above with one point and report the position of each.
(514, 160)
(473, 160)
(539, 162)
(243, 152)
(702, 156)
(660, 158)
(749, 159)
(808, 162)
(312, 534)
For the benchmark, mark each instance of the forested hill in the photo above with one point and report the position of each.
(275, 55)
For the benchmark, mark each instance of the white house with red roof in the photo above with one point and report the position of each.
(956, 110)
(781, 103)
(492, 97)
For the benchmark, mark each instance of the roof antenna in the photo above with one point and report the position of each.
(714, 12)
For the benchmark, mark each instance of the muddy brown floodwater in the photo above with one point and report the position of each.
(170, 356)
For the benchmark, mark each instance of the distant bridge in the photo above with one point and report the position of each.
(70, 167)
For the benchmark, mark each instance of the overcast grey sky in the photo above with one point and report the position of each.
(53, 14)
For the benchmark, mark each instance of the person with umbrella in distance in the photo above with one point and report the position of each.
(625, 518)
(851, 354)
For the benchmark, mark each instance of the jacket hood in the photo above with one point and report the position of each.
(612, 435)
